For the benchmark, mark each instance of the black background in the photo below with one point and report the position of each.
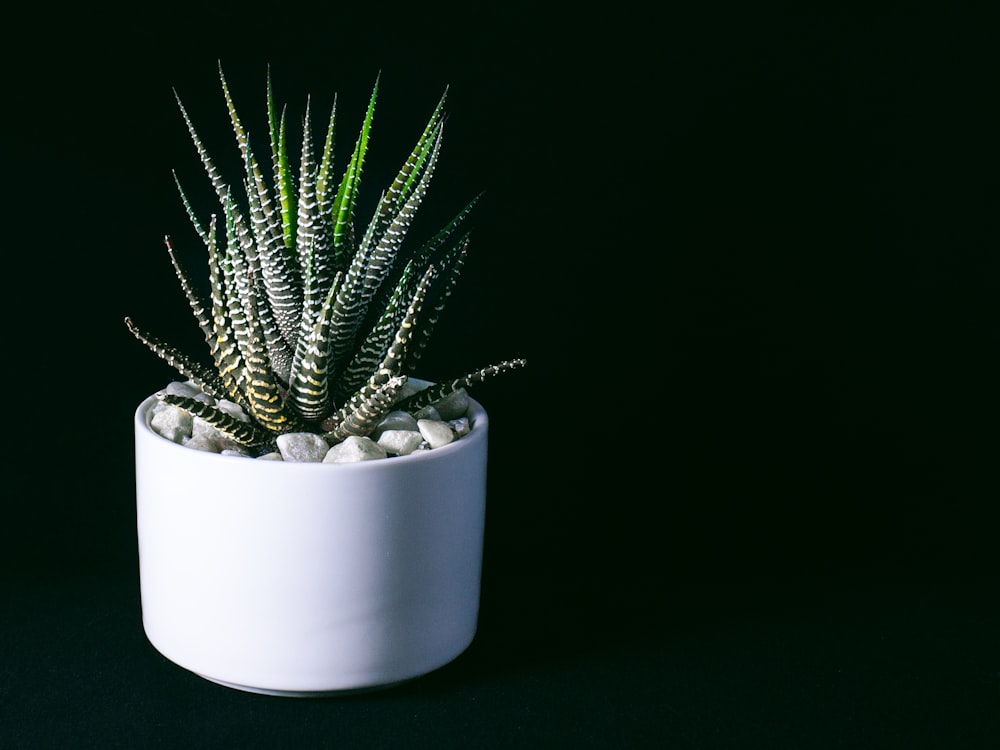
(743, 494)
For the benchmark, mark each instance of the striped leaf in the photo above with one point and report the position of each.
(437, 391)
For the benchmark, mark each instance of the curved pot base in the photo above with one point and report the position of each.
(309, 693)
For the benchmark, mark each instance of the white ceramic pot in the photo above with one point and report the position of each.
(307, 578)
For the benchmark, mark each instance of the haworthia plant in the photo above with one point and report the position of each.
(312, 325)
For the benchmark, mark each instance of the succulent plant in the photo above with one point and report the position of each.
(311, 324)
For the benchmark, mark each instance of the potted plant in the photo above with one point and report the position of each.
(273, 556)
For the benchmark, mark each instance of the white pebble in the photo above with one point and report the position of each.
(302, 446)
(202, 443)
(394, 420)
(354, 448)
(401, 442)
(435, 432)
(172, 423)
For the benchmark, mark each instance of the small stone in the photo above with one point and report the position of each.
(454, 405)
(428, 412)
(202, 443)
(202, 429)
(302, 446)
(273, 456)
(461, 426)
(394, 420)
(435, 432)
(401, 442)
(354, 448)
(172, 423)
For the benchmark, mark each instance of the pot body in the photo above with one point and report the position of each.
(306, 578)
